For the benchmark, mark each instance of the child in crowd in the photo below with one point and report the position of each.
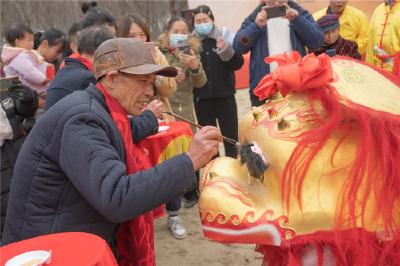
(31, 65)
(20, 60)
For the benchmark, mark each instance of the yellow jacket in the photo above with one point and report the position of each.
(385, 36)
(353, 26)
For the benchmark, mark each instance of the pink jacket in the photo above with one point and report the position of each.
(27, 65)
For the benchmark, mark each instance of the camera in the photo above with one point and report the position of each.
(19, 103)
(185, 47)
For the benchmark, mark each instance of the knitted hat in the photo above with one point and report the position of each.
(328, 22)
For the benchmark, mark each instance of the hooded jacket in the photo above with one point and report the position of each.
(28, 65)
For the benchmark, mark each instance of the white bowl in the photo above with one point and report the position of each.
(163, 128)
(31, 258)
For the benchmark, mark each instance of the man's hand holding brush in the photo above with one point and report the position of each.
(204, 146)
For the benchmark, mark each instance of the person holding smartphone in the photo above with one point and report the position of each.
(266, 35)
(182, 51)
(334, 44)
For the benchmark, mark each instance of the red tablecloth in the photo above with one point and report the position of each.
(167, 144)
(73, 248)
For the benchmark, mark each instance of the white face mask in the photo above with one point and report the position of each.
(204, 29)
(175, 39)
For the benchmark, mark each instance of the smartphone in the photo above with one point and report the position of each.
(275, 12)
(331, 52)
(152, 45)
(185, 47)
(187, 50)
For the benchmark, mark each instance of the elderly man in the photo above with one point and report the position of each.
(79, 169)
(265, 36)
(353, 22)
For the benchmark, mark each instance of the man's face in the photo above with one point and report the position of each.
(331, 36)
(133, 92)
(337, 6)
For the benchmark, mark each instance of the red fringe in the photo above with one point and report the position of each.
(374, 173)
(364, 249)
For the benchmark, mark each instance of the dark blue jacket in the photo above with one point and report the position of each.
(304, 31)
(70, 174)
(72, 77)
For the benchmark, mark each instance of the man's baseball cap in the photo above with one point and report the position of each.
(128, 56)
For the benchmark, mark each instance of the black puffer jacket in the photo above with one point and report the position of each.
(70, 173)
(72, 77)
(219, 66)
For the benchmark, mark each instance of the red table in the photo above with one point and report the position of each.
(165, 145)
(72, 248)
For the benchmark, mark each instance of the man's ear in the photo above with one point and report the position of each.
(110, 79)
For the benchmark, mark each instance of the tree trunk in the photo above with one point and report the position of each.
(42, 15)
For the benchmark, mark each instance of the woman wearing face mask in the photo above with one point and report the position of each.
(182, 51)
(216, 100)
(135, 27)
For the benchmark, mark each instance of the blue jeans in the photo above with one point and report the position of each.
(173, 207)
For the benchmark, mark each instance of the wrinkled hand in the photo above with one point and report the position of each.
(291, 13)
(221, 44)
(156, 107)
(204, 146)
(181, 75)
(261, 19)
(189, 60)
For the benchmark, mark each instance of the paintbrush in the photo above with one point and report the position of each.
(229, 140)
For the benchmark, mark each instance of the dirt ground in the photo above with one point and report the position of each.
(195, 249)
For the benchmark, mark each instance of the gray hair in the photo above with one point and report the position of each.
(91, 38)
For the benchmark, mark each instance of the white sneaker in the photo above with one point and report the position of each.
(176, 227)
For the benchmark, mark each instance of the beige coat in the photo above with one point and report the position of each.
(182, 100)
(165, 87)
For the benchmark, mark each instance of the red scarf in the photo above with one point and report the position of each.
(135, 238)
(88, 64)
